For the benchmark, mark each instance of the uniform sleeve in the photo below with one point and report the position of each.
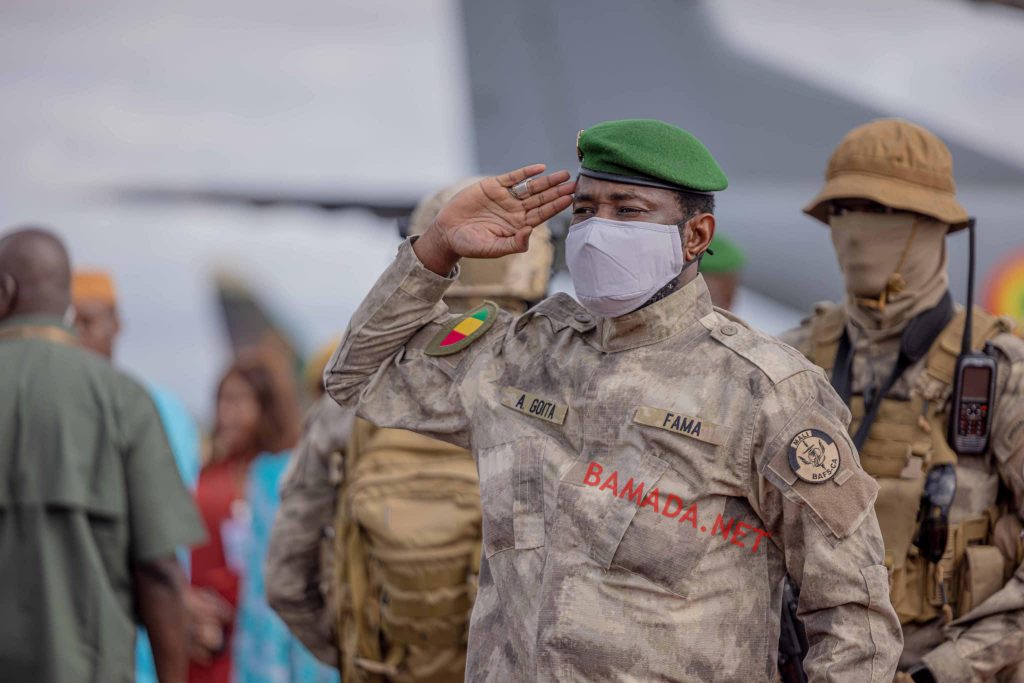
(818, 505)
(990, 638)
(381, 364)
(293, 569)
(162, 514)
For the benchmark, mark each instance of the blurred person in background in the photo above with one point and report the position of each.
(92, 506)
(256, 419)
(388, 517)
(98, 323)
(891, 348)
(721, 268)
(264, 651)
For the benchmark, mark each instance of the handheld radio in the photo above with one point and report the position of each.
(974, 382)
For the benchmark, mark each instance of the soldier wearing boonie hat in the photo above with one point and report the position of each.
(889, 200)
(650, 468)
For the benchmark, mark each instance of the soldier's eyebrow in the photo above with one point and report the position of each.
(584, 197)
(624, 195)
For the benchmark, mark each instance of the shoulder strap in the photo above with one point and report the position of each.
(918, 337)
(943, 353)
(357, 637)
(828, 322)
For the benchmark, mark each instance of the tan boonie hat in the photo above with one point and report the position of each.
(897, 164)
(516, 276)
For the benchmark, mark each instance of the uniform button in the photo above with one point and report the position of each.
(583, 318)
(729, 330)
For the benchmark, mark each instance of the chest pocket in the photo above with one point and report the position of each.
(512, 494)
(641, 514)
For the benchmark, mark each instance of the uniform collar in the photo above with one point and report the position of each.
(37, 326)
(659, 321)
(35, 320)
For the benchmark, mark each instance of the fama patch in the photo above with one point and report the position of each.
(463, 331)
(814, 456)
(687, 425)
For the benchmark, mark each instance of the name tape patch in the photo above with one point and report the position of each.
(814, 456)
(533, 405)
(678, 423)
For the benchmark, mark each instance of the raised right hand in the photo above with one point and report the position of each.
(486, 221)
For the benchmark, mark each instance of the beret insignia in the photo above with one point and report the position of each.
(579, 152)
(814, 456)
(463, 331)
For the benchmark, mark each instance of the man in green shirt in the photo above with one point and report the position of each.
(91, 504)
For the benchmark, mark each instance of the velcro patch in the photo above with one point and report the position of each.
(463, 331)
(687, 425)
(533, 405)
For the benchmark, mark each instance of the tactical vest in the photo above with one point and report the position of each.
(407, 555)
(907, 439)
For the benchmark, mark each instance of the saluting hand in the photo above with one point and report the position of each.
(486, 220)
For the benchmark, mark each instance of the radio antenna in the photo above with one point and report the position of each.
(965, 346)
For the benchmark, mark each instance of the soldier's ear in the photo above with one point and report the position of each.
(8, 294)
(701, 228)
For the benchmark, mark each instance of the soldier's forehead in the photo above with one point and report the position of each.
(595, 189)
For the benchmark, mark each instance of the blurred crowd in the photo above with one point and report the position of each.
(232, 473)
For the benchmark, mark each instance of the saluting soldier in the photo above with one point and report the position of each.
(650, 468)
(348, 488)
(890, 347)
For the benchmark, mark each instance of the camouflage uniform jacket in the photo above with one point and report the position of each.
(604, 448)
(296, 577)
(988, 640)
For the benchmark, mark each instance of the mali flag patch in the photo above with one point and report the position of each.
(462, 332)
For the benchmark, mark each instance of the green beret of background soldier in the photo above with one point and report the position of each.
(650, 468)
(375, 550)
(891, 348)
(721, 268)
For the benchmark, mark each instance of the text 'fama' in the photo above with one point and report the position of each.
(673, 507)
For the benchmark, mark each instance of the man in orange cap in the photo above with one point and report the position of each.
(891, 348)
(95, 302)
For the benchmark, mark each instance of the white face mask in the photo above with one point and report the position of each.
(618, 265)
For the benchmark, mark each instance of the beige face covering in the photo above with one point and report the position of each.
(894, 265)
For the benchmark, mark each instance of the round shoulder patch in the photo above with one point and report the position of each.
(814, 456)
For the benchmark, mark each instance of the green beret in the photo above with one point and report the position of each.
(648, 152)
(727, 257)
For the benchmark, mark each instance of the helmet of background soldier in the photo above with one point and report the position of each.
(512, 281)
(897, 164)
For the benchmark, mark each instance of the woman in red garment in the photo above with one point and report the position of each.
(255, 413)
